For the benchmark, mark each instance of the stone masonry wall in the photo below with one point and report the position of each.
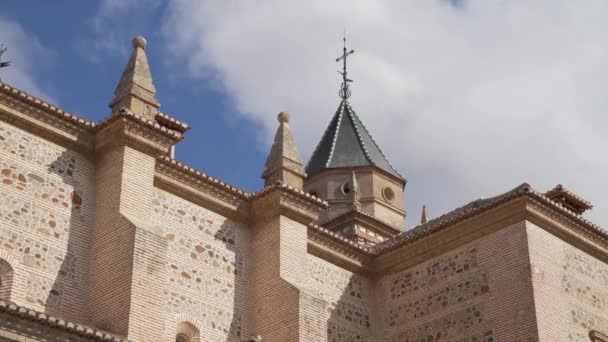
(205, 269)
(479, 292)
(570, 288)
(46, 212)
(345, 299)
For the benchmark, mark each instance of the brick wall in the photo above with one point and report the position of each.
(481, 291)
(46, 214)
(345, 300)
(570, 288)
(205, 269)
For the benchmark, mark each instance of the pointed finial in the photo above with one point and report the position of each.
(283, 117)
(139, 42)
(424, 218)
(283, 163)
(136, 90)
(355, 193)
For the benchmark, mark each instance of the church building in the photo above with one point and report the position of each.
(104, 236)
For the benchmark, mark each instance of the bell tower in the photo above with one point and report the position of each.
(348, 159)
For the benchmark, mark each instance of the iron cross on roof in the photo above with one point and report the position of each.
(2, 51)
(344, 90)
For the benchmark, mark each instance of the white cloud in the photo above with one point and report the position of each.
(27, 55)
(115, 22)
(466, 101)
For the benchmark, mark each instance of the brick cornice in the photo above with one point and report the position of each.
(45, 120)
(597, 336)
(338, 249)
(366, 219)
(425, 246)
(128, 129)
(198, 187)
(280, 199)
(518, 206)
(39, 323)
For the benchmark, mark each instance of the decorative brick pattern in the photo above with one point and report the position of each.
(35, 150)
(325, 277)
(203, 268)
(209, 316)
(35, 185)
(39, 255)
(340, 333)
(432, 272)
(41, 291)
(443, 328)
(201, 281)
(486, 336)
(438, 300)
(176, 210)
(204, 253)
(585, 292)
(349, 312)
(33, 217)
(576, 336)
(587, 320)
(587, 266)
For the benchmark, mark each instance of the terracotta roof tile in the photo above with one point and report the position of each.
(477, 207)
(58, 323)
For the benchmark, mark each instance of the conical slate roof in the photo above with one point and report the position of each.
(347, 143)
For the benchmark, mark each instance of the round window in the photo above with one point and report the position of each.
(388, 194)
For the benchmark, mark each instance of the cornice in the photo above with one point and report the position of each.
(43, 119)
(483, 217)
(39, 107)
(368, 220)
(426, 246)
(290, 189)
(341, 242)
(180, 170)
(128, 129)
(280, 199)
(171, 123)
(597, 336)
(198, 187)
(140, 121)
(449, 219)
(42, 319)
(357, 169)
(338, 251)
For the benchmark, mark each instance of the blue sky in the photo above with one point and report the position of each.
(467, 98)
(81, 78)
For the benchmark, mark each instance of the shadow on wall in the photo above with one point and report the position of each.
(6, 280)
(228, 237)
(349, 320)
(66, 298)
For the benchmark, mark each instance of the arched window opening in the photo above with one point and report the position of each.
(182, 338)
(6, 280)
(187, 332)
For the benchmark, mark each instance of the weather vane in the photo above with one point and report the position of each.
(344, 89)
(2, 51)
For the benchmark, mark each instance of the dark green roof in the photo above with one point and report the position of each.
(347, 143)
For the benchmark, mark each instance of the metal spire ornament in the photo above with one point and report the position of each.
(344, 89)
(2, 51)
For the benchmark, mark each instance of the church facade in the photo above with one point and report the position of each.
(104, 236)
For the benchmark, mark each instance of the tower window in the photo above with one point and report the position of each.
(346, 188)
(388, 194)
